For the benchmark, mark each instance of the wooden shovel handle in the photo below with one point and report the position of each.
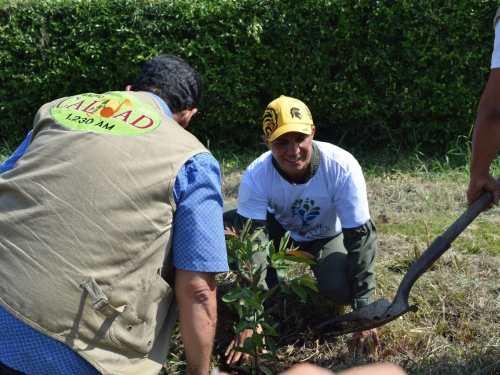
(439, 247)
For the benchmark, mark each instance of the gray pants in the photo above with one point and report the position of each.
(329, 254)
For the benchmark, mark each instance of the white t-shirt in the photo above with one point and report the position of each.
(334, 198)
(495, 58)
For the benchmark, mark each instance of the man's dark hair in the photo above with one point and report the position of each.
(173, 80)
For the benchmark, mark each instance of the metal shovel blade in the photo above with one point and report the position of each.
(365, 318)
(381, 311)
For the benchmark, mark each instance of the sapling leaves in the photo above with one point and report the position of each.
(300, 254)
(252, 303)
(249, 344)
(271, 344)
(255, 234)
(236, 246)
(233, 295)
(299, 290)
(271, 251)
(284, 241)
(265, 314)
(268, 294)
(242, 326)
(298, 260)
(249, 295)
(306, 281)
(257, 340)
(245, 230)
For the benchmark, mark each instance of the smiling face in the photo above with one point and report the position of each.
(293, 152)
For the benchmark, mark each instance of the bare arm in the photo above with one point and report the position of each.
(196, 295)
(486, 141)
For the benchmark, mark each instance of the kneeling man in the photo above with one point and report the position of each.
(316, 191)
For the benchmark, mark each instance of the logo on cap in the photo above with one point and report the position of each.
(270, 119)
(295, 112)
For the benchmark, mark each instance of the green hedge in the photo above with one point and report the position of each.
(374, 73)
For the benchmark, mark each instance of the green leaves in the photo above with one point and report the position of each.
(233, 295)
(248, 296)
(387, 73)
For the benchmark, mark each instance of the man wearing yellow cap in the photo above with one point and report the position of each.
(316, 191)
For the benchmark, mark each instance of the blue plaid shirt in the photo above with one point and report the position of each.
(198, 245)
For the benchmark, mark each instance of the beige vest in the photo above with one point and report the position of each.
(497, 17)
(85, 221)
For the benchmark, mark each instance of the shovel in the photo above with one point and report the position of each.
(381, 312)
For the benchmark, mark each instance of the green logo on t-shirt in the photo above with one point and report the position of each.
(116, 113)
(305, 210)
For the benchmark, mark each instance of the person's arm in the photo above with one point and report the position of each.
(199, 251)
(486, 141)
(196, 296)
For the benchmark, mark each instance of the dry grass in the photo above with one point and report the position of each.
(456, 329)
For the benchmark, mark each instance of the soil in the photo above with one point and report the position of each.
(296, 342)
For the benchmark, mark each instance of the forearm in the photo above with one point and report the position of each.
(486, 135)
(485, 144)
(361, 246)
(196, 295)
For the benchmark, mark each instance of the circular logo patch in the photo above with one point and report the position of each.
(116, 113)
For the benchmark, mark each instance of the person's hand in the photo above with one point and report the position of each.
(478, 185)
(234, 356)
(368, 339)
(238, 340)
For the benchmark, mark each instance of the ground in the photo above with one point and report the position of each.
(456, 329)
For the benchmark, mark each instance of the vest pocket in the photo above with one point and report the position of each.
(154, 305)
(130, 331)
(135, 327)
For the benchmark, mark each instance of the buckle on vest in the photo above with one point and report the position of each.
(100, 302)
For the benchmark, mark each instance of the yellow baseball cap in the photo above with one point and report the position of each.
(284, 115)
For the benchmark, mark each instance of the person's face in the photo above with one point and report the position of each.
(293, 152)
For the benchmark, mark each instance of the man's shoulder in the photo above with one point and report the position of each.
(202, 162)
(260, 164)
(336, 155)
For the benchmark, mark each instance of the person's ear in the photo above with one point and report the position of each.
(266, 141)
(183, 117)
(128, 88)
(313, 130)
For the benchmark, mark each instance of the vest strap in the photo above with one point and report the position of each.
(99, 300)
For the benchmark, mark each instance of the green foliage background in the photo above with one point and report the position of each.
(375, 73)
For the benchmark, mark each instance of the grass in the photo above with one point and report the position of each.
(413, 199)
(5, 152)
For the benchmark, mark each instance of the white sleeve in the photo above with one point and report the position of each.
(350, 199)
(495, 58)
(252, 202)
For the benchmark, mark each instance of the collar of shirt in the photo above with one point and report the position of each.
(163, 105)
